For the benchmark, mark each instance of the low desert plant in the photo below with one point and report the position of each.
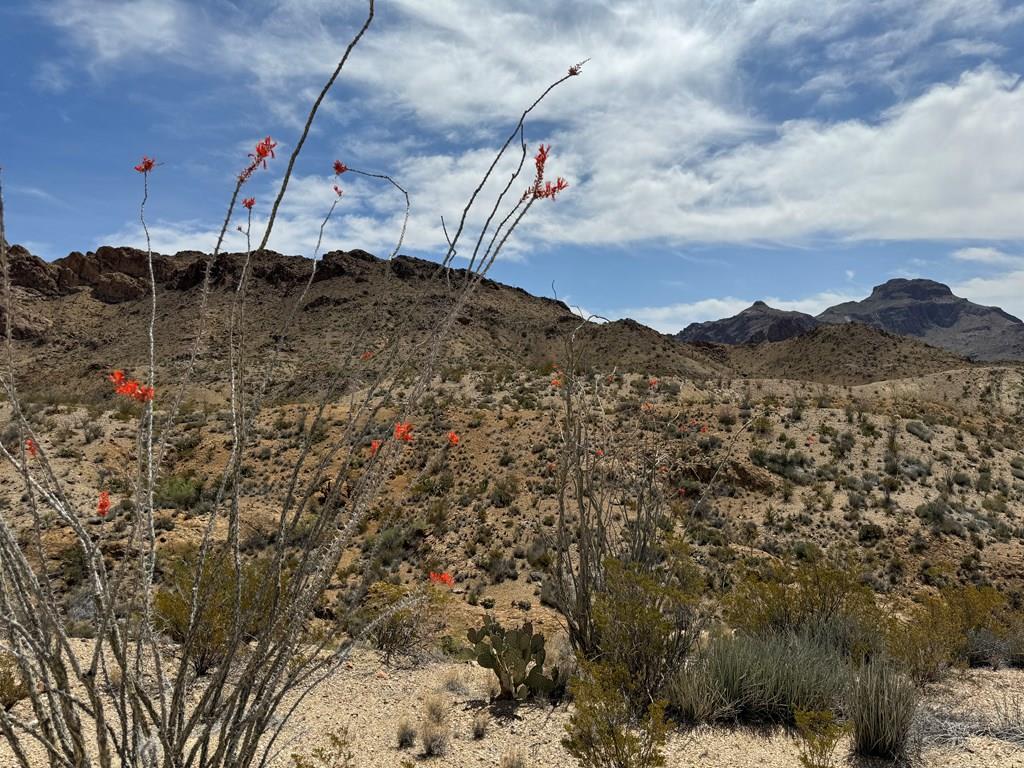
(820, 733)
(403, 622)
(516, 656)
(759, 680)
(405, 733)
(481, 721)
(881, 705)
(603, 731)
(12, 685)
(337, 754)
(514, 759)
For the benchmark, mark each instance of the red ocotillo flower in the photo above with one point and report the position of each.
(442, 578)
(652, 383)
(103, 505)
(249, 202)
(30, 446)
(147, 165)
(544, 189)
(339, 167)
(453, 438)
(130, 387)
(264, 149)
(374, 447)
(403, 431)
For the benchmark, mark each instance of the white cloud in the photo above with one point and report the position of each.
(985, 255)
(1005, 291)
(660, 139)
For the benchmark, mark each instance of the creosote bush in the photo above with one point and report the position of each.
(603, 731)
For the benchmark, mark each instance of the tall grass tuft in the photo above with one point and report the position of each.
(882, 703)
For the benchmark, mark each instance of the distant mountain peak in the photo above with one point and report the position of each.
(916, 289)
(755, 324)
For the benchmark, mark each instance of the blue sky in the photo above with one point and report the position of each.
(718, 151)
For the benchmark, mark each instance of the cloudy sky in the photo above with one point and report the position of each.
(718, 151)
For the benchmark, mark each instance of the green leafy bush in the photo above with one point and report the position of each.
(603, 732)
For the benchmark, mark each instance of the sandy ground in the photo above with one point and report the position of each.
(370, 700)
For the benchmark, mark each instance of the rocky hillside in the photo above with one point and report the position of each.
(753, 325)
(929, 311)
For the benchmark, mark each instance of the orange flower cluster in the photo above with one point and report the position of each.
(403, 431)
(130, 388)
(249, 202)
(147, 165)
(103, 506)
(453, 438)
(442, 578)
(30, 446)
(374, 447)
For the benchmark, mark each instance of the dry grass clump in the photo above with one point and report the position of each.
(435, 731)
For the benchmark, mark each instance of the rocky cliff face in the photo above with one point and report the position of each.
(929, 311)
(753, 325)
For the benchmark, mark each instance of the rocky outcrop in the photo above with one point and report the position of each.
(929, 311)
(753, 325)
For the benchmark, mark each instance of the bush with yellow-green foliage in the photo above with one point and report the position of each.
(820, 733)
(959, 626)
(12, 685)
(648, 622)
(217, 619)
(822, 600)
(603, 731)
(403, 622)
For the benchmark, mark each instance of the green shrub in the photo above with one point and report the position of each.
(603, 731)
(178, 491)
(819, 733)
(402, 625)
(817, 599)
(211, 640)
(763, 679)
(648, 625)
(881, 706)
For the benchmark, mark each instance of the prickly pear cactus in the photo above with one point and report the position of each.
(516, 656)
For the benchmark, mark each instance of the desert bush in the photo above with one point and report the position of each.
(920, 431)
(223, 600)
(481, 721)
(764, 679)
(514, 759)
(881, 705)
(648, 625)
(180, 492)
(603, 731)
(403, 622)
(338, 753)
(820, 600)
(959, 626)
(405, 733)
(12, 685)
(820, 733)
(435, 730)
